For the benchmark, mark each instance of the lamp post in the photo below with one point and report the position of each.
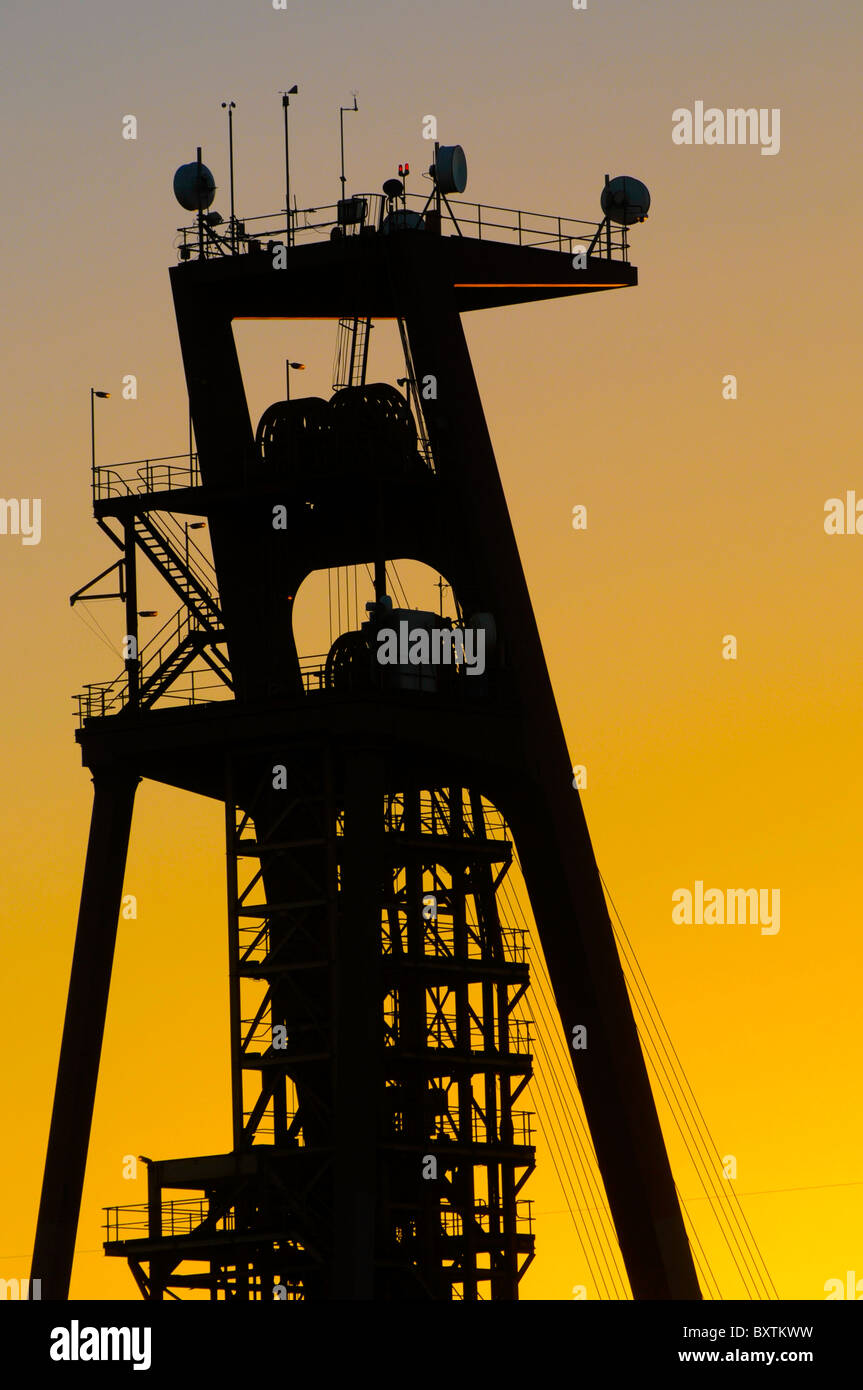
(230, 106)
(297, 366)
(191, 526)
(103, 396)
(286, 101)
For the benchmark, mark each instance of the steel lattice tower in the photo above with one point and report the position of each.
(380, 1148)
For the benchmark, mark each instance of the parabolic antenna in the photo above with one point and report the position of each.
(625, 200)
(451, 169)
(402, 220)
(194, 186)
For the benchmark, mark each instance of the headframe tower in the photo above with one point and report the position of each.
(379, 1148)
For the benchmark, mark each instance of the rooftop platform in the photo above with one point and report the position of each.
(492, 256)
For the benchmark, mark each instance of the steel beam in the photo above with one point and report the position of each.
(80, 1050)
(551, 833)
(357, 1012)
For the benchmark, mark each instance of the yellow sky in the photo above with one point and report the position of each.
(705, 518)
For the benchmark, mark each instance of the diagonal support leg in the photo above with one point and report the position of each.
(560, 869)
(80, 1050)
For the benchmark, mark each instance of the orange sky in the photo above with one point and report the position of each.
(705, 518)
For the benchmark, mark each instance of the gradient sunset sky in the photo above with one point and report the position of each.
(705, 518)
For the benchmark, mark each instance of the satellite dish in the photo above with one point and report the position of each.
(451, 169)
(625, 200)
(191, 191)
(403, 220)
(394, 188)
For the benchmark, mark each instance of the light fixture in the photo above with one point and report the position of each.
(296, 366)
(103, 396)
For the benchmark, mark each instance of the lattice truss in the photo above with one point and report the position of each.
(454, 1149)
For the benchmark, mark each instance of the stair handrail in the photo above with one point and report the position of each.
(200, 569)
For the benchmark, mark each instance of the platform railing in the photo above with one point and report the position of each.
(483, 221)
(99, 699)
(522, 1126)
(313, 672)
(265, 1130)
(102, 698)
(139, 476)
(452, 1222)
(177, 1218)
(96, 701)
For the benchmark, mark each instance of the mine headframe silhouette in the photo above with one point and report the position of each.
(380, 1145)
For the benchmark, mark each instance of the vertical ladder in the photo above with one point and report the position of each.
(352, 352)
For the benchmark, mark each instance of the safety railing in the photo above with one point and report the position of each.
(93, 702)
(521, 1134)
(257, 1035)
(313, 672)
(439, 932)
(146, 475)
(102, 698)
(99, 699)
(266, 1129)
(516, 945)
(488, 1217)
(483, 221)
(521, 1036)
(177, 1218)
(443, 1031)
(175, 536)
(522, 1128)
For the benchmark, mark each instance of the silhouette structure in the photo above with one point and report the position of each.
(379, 1147)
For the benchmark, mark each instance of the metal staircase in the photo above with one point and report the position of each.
(186, 574)
(158, 672)
(195, 630)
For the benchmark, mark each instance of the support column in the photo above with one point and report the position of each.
(234, 992)
(133, 663)
(80, 1050)
(557, 856)
(359, 1030)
